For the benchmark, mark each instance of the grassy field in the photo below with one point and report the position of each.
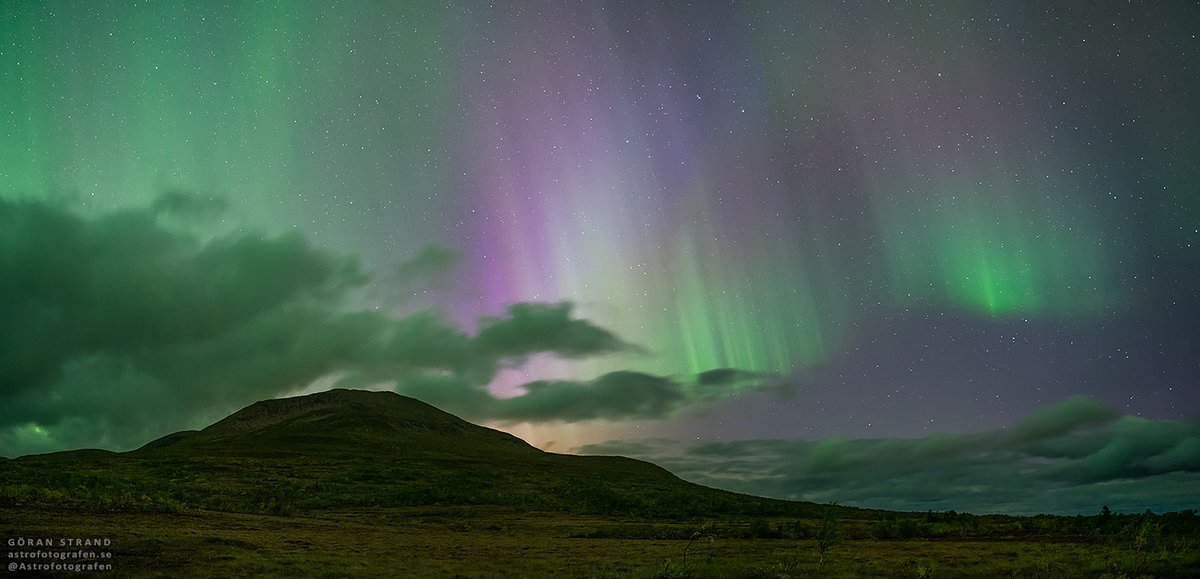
(480, 541)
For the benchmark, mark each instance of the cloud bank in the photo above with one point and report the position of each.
(1067, 458)
(123, 327)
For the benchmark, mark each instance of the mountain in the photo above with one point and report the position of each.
(356, 449)
(355, 421)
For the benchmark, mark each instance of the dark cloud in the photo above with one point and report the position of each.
(616, 396)
(613, 395)
(187, 205)
(626, 447)
(117, 326)
(532, 328)
(77, 287)
(123, 327)
(1134, 448)
(429, 264)
(1067, 458)
(727, 377)
(1054, 421)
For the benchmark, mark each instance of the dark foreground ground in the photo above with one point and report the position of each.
(466, 541)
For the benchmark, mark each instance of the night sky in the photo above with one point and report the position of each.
(923, 255)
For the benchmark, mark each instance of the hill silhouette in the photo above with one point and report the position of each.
(357, 421)
(359, 449)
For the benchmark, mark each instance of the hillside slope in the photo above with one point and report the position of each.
(357, 449)
(355, 421)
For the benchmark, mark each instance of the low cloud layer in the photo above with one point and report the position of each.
(124, 327)
(428, 266)
(1070, 458)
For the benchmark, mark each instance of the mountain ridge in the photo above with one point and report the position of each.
(352, 449)
(332, 416)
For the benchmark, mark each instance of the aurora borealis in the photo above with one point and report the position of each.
(772, 221)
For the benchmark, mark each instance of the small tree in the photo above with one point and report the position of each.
(1145, 545)
(702, 533)
(1147, 536)
(830, 533)
(1104, 524)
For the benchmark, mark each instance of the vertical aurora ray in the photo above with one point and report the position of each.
(753, 311)
(591, 191)
(965, 214)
